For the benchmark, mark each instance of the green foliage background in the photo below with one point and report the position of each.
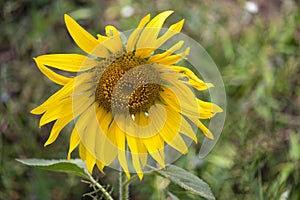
(258, 154)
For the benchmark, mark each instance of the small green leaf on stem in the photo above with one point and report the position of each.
(187, 181)
(74, 166)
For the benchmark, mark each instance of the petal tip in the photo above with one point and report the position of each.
(33, 111)
(147, 17)
(187, 50)
(168, 12)
(209, 85)
(127, 174)
(140, 175)
(210, 136)
(195, 140)
(46, 143)
(67, 17)
(35, 60)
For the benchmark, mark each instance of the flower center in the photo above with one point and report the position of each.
(128, 84)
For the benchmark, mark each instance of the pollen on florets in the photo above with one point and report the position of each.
(128, 83)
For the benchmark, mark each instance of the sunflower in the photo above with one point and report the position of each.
(127, 100)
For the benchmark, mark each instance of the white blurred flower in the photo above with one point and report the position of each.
(127, 11)
(251, 7)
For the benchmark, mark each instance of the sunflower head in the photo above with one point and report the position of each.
(128, 101)
(128, 84)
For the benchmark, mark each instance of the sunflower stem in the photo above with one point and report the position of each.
(128, 181)
(101, 188)
(124, 188)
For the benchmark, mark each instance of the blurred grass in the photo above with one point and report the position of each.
(257, 156)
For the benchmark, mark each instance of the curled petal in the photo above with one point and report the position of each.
(83, 39)
(67, 62)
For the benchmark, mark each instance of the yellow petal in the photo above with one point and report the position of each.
(120, 140)
(180, 97)
(94, 141)
(173, 30)
(207, 109)
(155, 58)
(109, 142)
(172, 59)
(199, 85)
(187, 104)
(85, 155)
(94, 128)
(62, 104)
(105, 138)
(56, 78)
(187, 130)
(114, 44)
(170, 132)
(63, 108)
(67, 62)
(85, 126)
(82, 152)
(64, 92)
(90, 161)
(101, 38)
(131, 42)
(136, 164)
(74, 142)
(186, 107)
(147, 41)
(79, 84)
(83, 39)
(104, 118)
(179, 71)
(143, 156)
(194, 81)
(205, 130)
(132, 143)
(140, 149)
(100, 166)
(154, 145)
(57, 127)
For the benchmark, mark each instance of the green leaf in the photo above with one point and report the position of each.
(74, 166)
(187, 181)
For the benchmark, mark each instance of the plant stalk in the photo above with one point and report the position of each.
(124, 188)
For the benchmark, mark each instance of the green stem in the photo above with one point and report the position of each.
(128, 181)
(101, 188)
(124, 188)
